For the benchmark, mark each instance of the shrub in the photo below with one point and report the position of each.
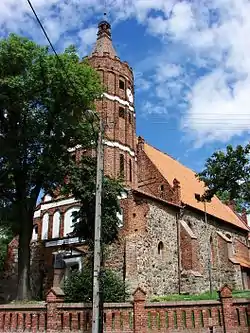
(78, 287)
(5, 237)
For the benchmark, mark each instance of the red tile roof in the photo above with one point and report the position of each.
(171, 169)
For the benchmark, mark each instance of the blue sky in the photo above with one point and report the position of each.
(191, 62)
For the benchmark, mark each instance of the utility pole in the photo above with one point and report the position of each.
(97, 243)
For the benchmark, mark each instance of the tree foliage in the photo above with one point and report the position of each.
(78, 287)
(5, 237)
(82, 184)
(43, 111)
(227, 174)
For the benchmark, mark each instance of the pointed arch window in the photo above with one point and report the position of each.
(130, 171)
(121, 165)
(121, 112)
(129, 118)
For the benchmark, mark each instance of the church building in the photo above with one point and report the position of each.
(169, 241)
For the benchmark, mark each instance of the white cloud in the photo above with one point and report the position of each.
(87, 37)
(216, 94)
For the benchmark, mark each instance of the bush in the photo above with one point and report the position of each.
(78, 287)
(5, 237)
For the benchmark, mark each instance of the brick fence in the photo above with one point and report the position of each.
(227, 315)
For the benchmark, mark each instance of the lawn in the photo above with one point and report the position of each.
(199, 297)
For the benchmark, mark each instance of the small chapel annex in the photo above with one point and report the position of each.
(165, 245)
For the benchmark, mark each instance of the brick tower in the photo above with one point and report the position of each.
(116, 107)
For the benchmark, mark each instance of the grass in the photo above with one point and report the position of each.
(199, 297)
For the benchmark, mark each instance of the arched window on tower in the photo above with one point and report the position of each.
(121, 165)
(121, 112)
(129, 118)
(130, 171)
(122, 84)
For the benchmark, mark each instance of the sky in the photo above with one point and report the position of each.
(191, 62)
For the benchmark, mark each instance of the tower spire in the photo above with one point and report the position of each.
(104, 46)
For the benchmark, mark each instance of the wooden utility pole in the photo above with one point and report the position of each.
(97, 244)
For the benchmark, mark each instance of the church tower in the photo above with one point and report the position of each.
(116, 108)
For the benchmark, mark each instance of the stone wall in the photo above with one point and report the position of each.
(153, 253)
(221, 249)
(147, 250)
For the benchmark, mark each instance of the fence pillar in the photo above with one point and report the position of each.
(54, 296)
(228, 311)
(140, 318)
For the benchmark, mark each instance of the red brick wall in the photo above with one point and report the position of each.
(151, 180)
(225, 315)
(189, 252)
(186, 250)
(241, 249)
(117, 129)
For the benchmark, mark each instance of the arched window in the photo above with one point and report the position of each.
(121, 84)
(121, 165)
(160, 249)
(130, 171)
(47, 198)
(45, 226)
(35, 232)
(56, 225)
(68, 221)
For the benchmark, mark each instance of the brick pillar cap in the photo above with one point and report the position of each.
(225, 292)
(139, 295)
(55, 294)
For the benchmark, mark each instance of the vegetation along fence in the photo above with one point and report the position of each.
(227, 315)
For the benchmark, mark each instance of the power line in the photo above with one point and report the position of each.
(56, 54)
(44, 31)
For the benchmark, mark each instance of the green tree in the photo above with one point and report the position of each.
(43, 111)
(227, 174)
(82, 185)
(5, 237)
(78, 288)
